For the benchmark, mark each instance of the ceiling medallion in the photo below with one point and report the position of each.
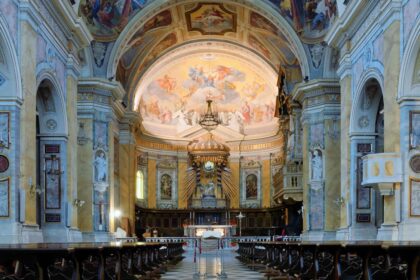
(415, 163)
(363, 121)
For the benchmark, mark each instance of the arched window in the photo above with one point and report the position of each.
(139, 185)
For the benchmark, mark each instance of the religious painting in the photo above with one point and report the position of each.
(107, 18)
(243, 97)
(311, 18)
(211, 19)
(415, 130)
(4, 129)
(101, 166)
(261, 22)
(52, 183)
(363, 193)
(251, 183)
(4, 197)
(166, 187)
(414, 197)
(162, 19)
(256, 44)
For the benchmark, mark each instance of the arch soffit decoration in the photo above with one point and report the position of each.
(406, 87)
(356, 111)
(11, 60)
(155, 7)
(60, 114)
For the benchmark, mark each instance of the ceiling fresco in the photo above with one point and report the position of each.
(309, 18)
(188, 23)
(173, 93)
(107, 18)
(211, 19)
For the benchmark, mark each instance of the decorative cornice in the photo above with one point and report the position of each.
(337, 34)
(76, 24)
(315, 88)
(99, 85)
(29, 11)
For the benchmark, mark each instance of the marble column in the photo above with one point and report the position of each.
(127, 168)
(321, 161)
(182, 172)
(345, 211)
(98, 105)
(28, 180)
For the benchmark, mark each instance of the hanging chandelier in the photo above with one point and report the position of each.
(209, 120)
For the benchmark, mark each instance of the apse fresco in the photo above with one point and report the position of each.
(211, 19)
(177, 95)
(310, 18)
(106, 18)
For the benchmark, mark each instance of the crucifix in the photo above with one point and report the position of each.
(240, 217)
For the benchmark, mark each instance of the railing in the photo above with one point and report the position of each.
(115, 260)
(334, 260)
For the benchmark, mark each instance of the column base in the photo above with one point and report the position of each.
(342, 234)
(98, 236)
(406, 230)
(365, 232)
(10, 232)
(61, 234)
(31, 234)
(388, 232)
(318, 235)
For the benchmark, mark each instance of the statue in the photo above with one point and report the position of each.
(317, 165)
(101, 166)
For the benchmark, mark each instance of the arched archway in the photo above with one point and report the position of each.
(10, 101)
(366, 136)
(10, 81)
(51, 147)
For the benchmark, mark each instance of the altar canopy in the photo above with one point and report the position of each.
(208, 181)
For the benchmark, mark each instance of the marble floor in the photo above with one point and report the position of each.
(211, 264)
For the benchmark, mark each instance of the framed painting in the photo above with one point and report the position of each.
(414, 197)
(363, 194)
(211, 19)
(52, 183)
(4, 197)
(414, 130)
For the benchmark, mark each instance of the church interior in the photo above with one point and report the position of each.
(139, 137)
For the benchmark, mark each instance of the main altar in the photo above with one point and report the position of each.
(206, 231)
